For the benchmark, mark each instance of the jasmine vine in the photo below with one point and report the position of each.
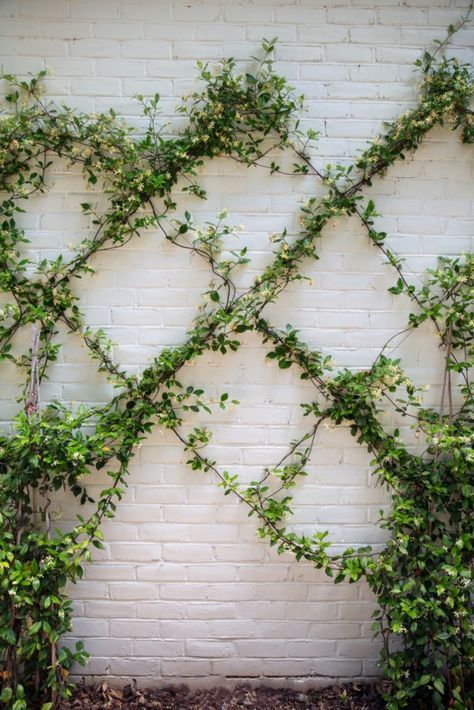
(423, 577)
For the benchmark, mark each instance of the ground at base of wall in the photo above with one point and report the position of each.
(338, 697)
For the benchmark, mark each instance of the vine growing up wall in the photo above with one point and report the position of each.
(424, 576)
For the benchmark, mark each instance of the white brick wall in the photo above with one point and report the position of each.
(184, 590)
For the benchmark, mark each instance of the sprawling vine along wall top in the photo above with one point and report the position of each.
(422, 576)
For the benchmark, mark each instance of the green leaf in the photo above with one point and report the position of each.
(34, 628)
(6, 695)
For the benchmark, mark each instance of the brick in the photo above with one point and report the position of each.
(8, 9)
(139, 552)
(224, 31)
(346, 16)
(337, 667)
(240, 13)
(101, 87)
(152, 12)
(286, 668)
(50, 8)
(211, 610)
(133, 590)
(104, 647)
(310, 649)
(261, 648)
(117, 30)
(168, 31)
(98, 666)
(133, 628)
(107, 609)
(39, 47)
(242, 668)
(209, 649)
(286, 33)
(159, 610)
(161, 573)
(309, 16)
(185, 668)
(70, 30)
(313, 611)
(89, 10)
(375, 35)
(120, 68)
(158, 648)
(183, 11)
(135, 667)
(359, 648)
(400, 16)
(91, 590)
(145, 49)
(314, 34)
(20, 28)
(359, 611)
(82, 628)
(187, 551)
(335, 630)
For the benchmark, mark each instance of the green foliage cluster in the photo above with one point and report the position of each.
(423, 577)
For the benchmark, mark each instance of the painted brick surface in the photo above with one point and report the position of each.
(184, 590)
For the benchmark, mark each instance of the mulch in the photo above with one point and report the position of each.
(351, 696)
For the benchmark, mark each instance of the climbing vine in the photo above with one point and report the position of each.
(424, 575)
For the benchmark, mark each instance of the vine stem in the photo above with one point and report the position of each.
(453, 29)
(32, 402)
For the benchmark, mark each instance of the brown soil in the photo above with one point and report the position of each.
(339, 697)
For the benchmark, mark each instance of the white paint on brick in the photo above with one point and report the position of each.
(184, 590)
